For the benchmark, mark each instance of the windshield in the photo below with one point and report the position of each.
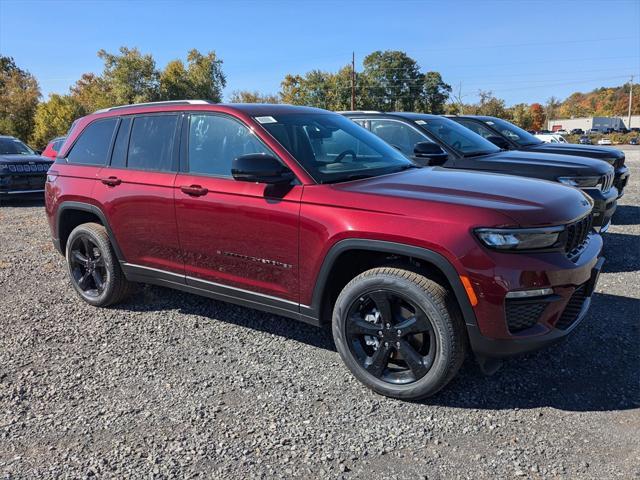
(333, 148)
(512, 132)
(457, 137)
(13, 146)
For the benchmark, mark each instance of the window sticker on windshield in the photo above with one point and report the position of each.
(421, 122)
(266, 120)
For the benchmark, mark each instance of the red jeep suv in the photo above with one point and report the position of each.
(302, 213)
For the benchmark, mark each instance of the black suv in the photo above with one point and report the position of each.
(508, 136)
(22, 171)
(437, 140)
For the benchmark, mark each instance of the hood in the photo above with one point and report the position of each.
(547, 166)
(527, 202)
(17, 158)
(592, 151)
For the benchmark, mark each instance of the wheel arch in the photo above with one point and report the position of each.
(435, 260)
(70, 214)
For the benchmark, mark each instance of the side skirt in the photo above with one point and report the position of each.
(216, 291)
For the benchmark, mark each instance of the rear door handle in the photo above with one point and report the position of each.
(111, 181)
(194, 190)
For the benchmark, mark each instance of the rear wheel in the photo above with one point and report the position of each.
(399, 332)
(93, 267)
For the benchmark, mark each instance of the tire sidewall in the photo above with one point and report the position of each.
(105, 251)
(437, 376)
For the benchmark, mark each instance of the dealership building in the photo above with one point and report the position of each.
(588, 123)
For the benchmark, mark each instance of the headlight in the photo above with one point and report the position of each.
(520, 238)
(580, 182)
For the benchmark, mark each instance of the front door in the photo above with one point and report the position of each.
(234, 234)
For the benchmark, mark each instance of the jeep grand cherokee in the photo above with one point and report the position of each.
(22, 171)
(300, 212)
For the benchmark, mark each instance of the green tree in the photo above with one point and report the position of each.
(92, 92)
(393, 80)
(19, 95)
(246, 96)
(490, 105)
(54, 117)
(131, 76)
(521, 115)
(435, 93)
(202, 78)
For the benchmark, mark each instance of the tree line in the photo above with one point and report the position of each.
(388, 81)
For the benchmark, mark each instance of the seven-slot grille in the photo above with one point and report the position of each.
(26, 168)
(577, 235)
(606, 182)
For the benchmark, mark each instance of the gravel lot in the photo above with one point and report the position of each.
(174, 385)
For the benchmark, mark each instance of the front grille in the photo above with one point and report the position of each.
(522, 315)
(577, 235)
(606, 182)
(573, 308)
(26, 168)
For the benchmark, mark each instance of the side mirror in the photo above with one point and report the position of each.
(431, 152)
(499, 142)
(260, 168)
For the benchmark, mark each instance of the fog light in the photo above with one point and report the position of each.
(537, 292)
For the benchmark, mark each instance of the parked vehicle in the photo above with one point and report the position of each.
(561, 132)
(300, 212)
(551, 138)
(436, 140)
(577, 131)
(585, 140)
(604, 141)
(53, 147)
(509, 136)
(634, 141)
(22, 171)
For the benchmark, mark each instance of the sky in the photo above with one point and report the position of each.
(522, 51)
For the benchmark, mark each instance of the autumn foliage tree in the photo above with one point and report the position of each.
(19, 95)
(537, 116)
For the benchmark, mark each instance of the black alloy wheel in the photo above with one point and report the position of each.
(87, 266)
(391, 337)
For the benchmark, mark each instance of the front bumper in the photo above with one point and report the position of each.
(621, 179)
(484, 346)
(22, 184)
(604, 205)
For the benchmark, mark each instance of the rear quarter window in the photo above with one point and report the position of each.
(92, 146)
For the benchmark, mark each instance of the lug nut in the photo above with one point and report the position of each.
(380, 333)
(386, 344)
(399, 332)
(388, 325)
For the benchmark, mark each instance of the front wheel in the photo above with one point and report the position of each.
(399, 332)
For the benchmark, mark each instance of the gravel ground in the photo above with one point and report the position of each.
(174, 385)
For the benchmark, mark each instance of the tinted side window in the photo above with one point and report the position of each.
(398, 134)
(214, 141)
(477, 128)
(151, 144)
(92, 147)
(119, 155)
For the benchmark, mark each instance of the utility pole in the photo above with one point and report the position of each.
(630, 97)
(353, 80)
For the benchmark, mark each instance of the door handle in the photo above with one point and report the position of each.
(111, 181)
(194, 190)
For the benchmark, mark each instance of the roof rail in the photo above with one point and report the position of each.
(358, 111)
(156, 104)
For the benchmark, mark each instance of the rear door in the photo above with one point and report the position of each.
(136, 191)
(238, 238)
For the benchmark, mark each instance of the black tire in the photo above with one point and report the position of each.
(440, 346)
(94, 269)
